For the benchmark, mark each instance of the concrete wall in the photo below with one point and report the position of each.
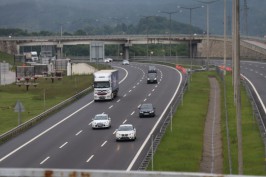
(9, 47)
(216, 50)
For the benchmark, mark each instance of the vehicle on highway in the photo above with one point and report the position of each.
(146, 110)
(101, 121)
(108, 60)
(151, 78)
(106, 84)
(125, 62)
(126, 132)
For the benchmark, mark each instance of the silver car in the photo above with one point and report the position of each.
(125, 132)
(101, 121)
(125, 62)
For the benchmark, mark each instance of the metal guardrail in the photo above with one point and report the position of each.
(15, 131)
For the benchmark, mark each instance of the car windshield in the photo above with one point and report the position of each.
(146, 106)
(125, 128)
(101, 84)
(101, 117)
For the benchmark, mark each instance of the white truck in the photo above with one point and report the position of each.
(31, 56)
(106, 84)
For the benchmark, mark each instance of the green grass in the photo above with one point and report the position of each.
(253, 148)
(181, 149)
(37, 100)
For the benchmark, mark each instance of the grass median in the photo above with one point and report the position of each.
(181, 149)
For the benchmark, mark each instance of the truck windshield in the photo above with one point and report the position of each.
(101, 84)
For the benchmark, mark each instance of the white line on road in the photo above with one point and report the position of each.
(153, 90)
(114, 132)
(45, 160)
(90, 158)
(134, 87)
(103, 143)
(125, 95)
(118, 101)
(149, 94)
(125, 121)
(129, 91)
(78, 133)
(145, 99)
(110, 106)
(132, 113)
(63, 145)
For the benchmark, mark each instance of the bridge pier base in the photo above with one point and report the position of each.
(59, 50)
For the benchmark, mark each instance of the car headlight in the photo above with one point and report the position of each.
(151, 111)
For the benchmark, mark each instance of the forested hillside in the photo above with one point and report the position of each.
(87, 15)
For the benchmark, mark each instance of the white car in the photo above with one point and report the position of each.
(125, 62)
(125, 132)
(108, 60)
(101, 121)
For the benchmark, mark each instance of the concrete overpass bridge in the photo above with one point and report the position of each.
(251, 47)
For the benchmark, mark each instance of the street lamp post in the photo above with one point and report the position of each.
(147, 35)
(190, 19)
(170, 30)
(208, 3)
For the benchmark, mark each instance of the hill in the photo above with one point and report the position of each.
(71, 15)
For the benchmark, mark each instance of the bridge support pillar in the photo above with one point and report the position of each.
(126, 50)
(193, 50)
(59, 50)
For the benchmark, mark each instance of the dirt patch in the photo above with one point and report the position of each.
(212, 159)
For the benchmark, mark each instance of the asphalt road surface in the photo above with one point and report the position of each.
(66, 139)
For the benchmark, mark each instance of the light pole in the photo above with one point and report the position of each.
(208, 3)
(147, 44)
(170, 30)
(190, 19)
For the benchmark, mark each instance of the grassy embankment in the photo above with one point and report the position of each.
(181, 149)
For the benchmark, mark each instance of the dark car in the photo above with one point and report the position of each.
(146, 110)
(151, 78)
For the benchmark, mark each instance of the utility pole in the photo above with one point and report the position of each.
(236, 38)
(225, 37)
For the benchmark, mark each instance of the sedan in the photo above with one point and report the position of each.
(125, 132)
(101, 121)
(147, 110)
(125, 62)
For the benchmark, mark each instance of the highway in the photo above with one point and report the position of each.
(66, 139)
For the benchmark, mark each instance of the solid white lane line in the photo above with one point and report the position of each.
(90, 158)
(63, 145)
(103, 143)
(78, 133)
(132, 113)
(110, 106)
(45, 160)
(125, 121)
